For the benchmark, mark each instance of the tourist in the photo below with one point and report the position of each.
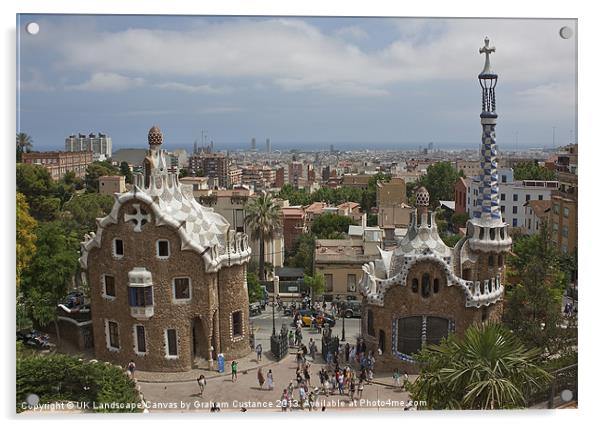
(352, 390)
(291, 338)
(131, 368)
(258, 350)
(347, 351)
(284, 399)
(299, 377)
(270, 377)
(396, 379)
(360, 389)
(302, 396)
(260, 378)
(202, 383)
(234, 368)
(406, 380)
(341, 382)
(306, 375)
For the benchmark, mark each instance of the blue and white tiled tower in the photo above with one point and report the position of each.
(486, 229)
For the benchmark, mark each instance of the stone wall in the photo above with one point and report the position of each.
(401, 301)
(140, 251)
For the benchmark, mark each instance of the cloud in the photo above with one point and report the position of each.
(35, 81)
(352, 32)
(298, 56)
(204, 89)
(104, 81)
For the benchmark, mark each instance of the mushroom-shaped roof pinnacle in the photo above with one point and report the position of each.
(422, 197)
(155, 136)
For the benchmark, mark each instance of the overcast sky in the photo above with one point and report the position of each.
(353, 82)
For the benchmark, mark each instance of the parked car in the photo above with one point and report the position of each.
(322, 318)
(353, 309)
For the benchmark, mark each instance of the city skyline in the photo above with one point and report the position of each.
(382, 82)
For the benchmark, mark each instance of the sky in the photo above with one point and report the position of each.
(302, 82)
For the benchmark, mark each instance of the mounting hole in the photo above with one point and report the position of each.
(566, 32)
(32, 28)
(566, 395)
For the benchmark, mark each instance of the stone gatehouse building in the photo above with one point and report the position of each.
(422, 290)
(167, 276)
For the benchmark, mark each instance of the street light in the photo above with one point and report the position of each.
(343, 308)
(273, 314)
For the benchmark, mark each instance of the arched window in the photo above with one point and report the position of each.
(502, 233)
(492, 234)
(426, 285)
(415, 285)
(481, 233)
(370, 322)
(381, 340)
(500, 260)
(436, 285)
(490, 261)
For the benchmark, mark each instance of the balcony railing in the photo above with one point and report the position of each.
(142, 312)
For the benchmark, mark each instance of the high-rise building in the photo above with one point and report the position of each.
(253, 144)
(212, 165)
(100, 145)
(268, 145)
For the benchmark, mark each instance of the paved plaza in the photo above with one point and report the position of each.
(179, 391)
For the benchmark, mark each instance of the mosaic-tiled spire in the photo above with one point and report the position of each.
(488, 204)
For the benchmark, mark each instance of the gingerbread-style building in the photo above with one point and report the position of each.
(421, 291)
(167, 276)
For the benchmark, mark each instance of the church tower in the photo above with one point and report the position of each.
(487, 234)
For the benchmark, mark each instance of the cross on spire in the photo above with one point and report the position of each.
(487, 51)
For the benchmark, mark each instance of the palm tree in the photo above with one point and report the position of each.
(264, 219)
(487, 369)
(24, 144)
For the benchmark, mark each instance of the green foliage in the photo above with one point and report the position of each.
(302, 255)
(45, 281)
(534, 294)
(487, 369)
(124, 169)
(372, 220)
(26, 239)
(254, 288)
(24, 144)
(459, 219)
(85, 208)
(439, 180)
(96, 170)
(451, 240)
(531, 170)
(315, 284)
(331, 226)
(64, 378)
(41, 192)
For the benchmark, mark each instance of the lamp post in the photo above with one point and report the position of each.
(273, 314)
(343, 308)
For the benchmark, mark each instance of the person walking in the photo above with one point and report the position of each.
(258, 351)
(234, 368)
(270, 377)
(291, 338)
(347, 351)
(352, 390)
(260, 378)
(202, 383)
(307, 375)
(406, 380)
(396, 379)
(284, 399)
(360, 389)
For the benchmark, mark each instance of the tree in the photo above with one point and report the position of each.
(331, 226)
(24, 144)
(459, 219)
(124, 169)
(531, 170)
(254, 288)
(534, 291)
(26, 239)
(264, 219)
(439, 180)
(41, 192)
(303, 253)
(488, 369)
(46, 280)
(315, 284)
(87, 207)
(96, 170)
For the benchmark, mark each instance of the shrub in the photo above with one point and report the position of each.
(65, 378)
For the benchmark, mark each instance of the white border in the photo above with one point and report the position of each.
(173, 290)
(103, 290)
(166, 344)
(135, 341)
(114, 249)
(157, 249)
(108, 336)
